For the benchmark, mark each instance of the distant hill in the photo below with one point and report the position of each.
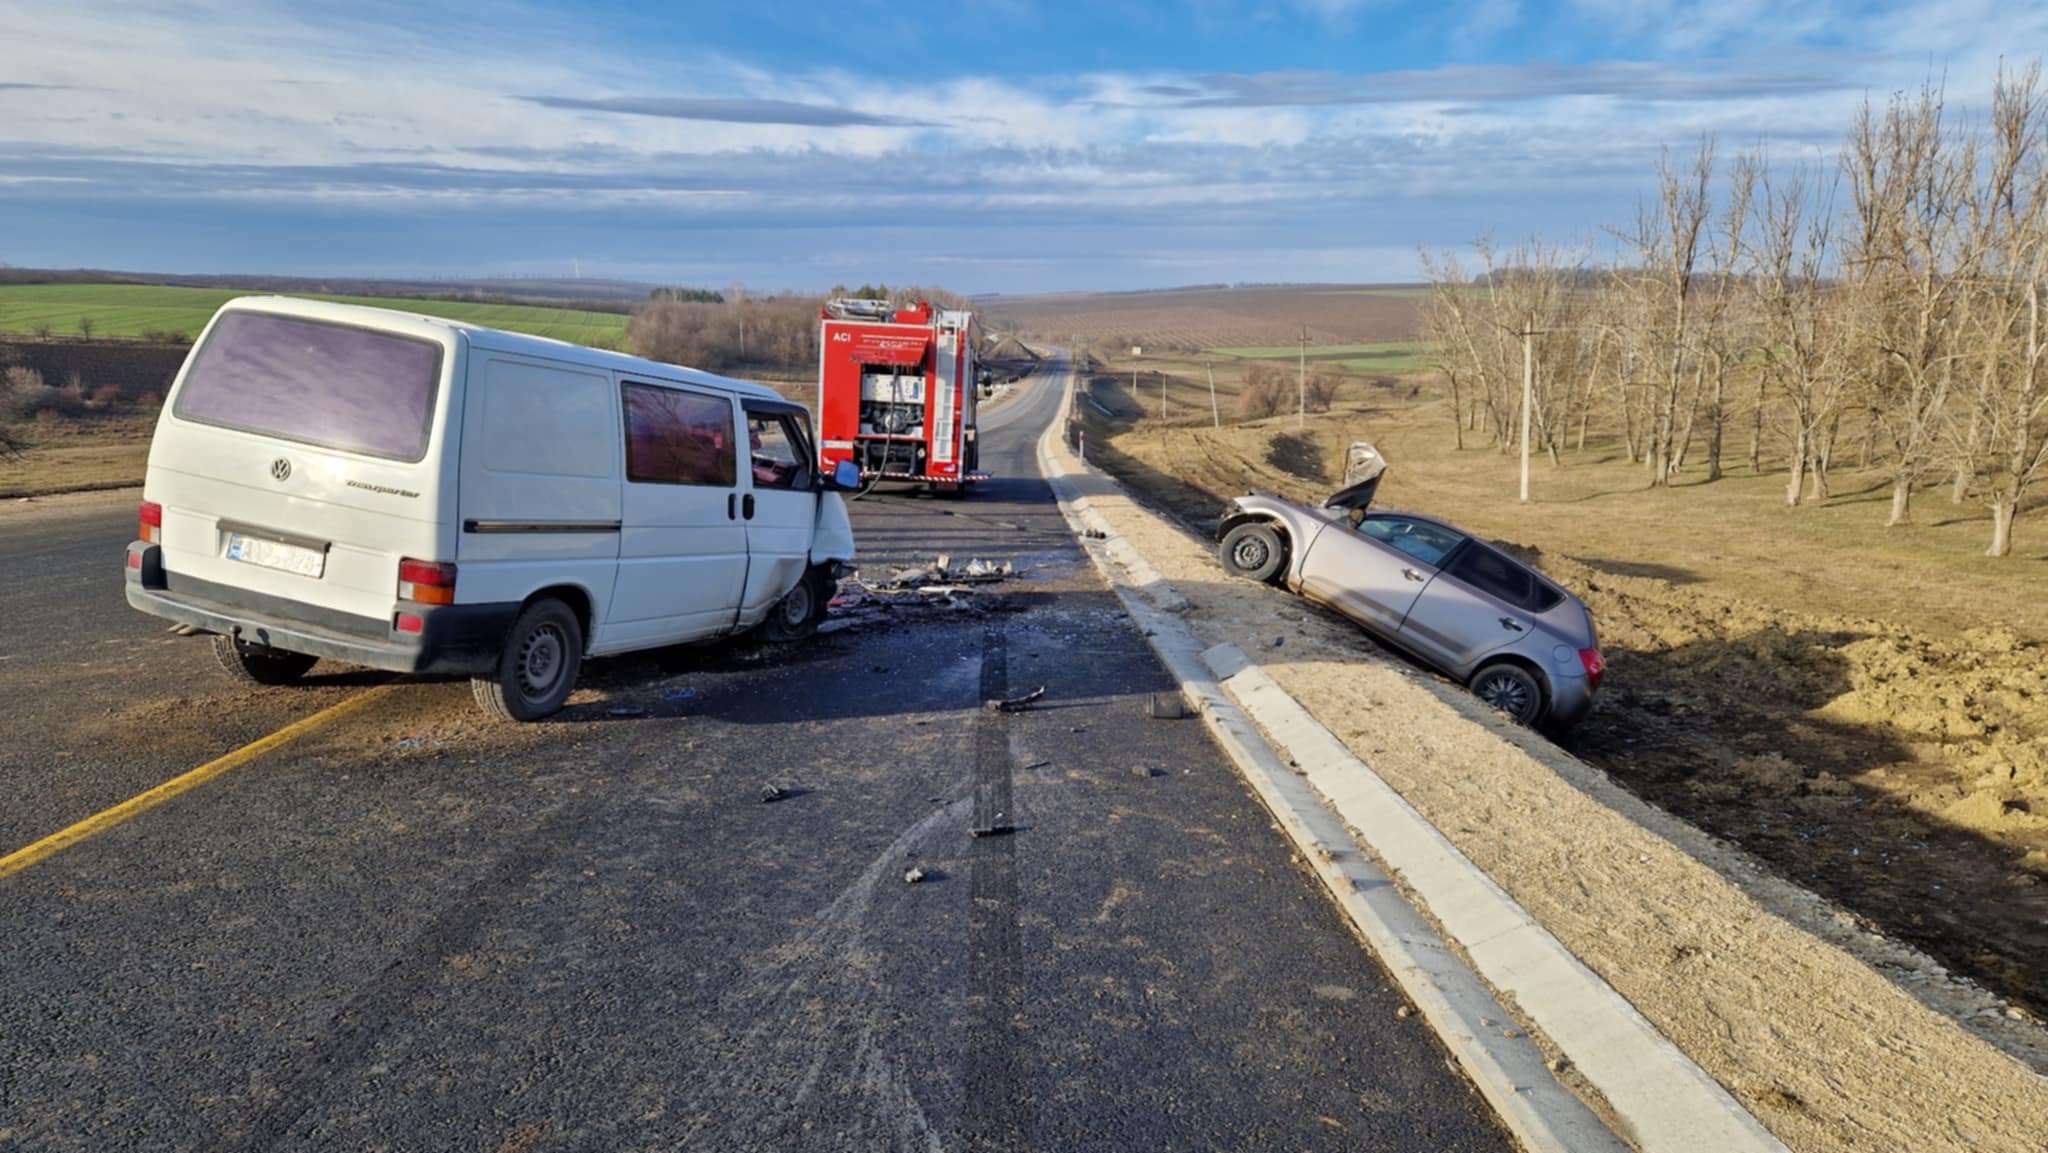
(601, 295)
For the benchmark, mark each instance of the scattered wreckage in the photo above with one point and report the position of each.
(941, 584)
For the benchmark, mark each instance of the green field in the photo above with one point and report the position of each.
(1388, 356)
(134, 310)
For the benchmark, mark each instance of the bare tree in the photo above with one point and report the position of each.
(2009, 211)
(1801, 339)
(1907, 264)
(1478, 328)
(1667, 241)
(1722, 341)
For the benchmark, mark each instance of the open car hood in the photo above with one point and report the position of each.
(1363, 467)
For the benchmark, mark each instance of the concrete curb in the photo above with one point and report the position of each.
(1507, 1067)
(1666, 1102)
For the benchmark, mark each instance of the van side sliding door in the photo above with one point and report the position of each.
(683, 548)
(538, 496)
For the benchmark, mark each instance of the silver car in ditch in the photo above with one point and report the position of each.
(1454, 602)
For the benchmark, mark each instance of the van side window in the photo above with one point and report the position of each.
(779, 458)
(676, 437)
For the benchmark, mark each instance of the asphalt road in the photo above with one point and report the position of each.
(415, 930)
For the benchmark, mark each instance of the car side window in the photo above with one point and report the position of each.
(1426, 542)
(677, 437)
(1489, 571)
(779, 460)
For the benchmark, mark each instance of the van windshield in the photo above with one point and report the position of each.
(325, 384)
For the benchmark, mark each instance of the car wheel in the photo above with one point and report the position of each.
(1253, 551)
(797, 614)
(538, 667)
(1511, 689)
(257, 665)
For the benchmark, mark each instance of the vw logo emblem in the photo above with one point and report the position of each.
(280, 469)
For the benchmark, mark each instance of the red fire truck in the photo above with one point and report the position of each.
(898, 392)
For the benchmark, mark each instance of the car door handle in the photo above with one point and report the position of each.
(1411, 574)
(747, 506)
(732, 501)
(1511, 623)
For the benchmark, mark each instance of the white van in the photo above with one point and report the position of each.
(422, 495)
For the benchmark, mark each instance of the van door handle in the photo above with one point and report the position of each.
(1511, 623)
(747, 506)
(1411, 574)
(731, 503)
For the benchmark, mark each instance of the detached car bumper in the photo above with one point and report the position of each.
(457, 639)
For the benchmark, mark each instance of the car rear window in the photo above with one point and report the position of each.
(1491, 572)
(317, 383)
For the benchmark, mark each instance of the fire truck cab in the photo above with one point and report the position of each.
(898, 393)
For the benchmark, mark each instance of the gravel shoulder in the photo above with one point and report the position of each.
(1834, 1037)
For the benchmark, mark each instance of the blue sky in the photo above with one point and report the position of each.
(1002, 145)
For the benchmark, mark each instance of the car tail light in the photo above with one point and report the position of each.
(426, 582)
(152, 522)
(409, 623)
(1596, 666)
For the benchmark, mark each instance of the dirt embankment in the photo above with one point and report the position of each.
(1900, 772)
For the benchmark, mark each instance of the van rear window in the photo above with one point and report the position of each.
(324, 384)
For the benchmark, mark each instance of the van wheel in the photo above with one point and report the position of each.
(257, 665)
(537, 670)
(1511, 689)
(798, 613)
(1253, 551)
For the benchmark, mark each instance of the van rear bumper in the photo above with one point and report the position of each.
(455, 639)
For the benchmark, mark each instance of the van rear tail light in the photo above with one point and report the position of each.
(152, 522)
(425, 582)
(1596, 666)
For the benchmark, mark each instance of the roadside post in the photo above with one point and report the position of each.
(1301, 382)
(1528, 396)
(1215, 414)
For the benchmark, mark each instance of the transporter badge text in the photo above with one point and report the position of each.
(382, 489)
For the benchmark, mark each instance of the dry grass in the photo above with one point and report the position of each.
(73, 455)
(1190, 319)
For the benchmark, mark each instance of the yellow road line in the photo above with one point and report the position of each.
(105, 819)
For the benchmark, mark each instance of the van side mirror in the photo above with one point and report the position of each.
(845, 477)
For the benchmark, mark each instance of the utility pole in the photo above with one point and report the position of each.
(1528, 396)
(1301, 382)
(1162, 396)
(1215, 414)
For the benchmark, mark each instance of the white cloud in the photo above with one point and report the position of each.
(215, 100)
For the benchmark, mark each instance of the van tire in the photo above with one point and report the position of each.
(537, 669)
(257, 665)
(797, 615)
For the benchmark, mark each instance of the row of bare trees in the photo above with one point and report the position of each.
(738, 331)
(777, 333)
(1887, 305)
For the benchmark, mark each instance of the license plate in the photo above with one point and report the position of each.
(289, 558)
